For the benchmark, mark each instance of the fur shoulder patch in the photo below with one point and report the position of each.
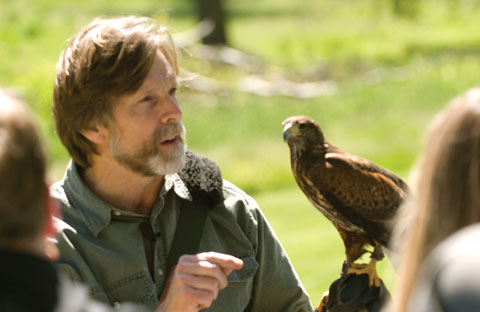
(202, 175)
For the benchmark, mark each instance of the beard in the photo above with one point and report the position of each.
(150, 159)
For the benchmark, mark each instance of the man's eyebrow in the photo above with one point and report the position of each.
(144, 90)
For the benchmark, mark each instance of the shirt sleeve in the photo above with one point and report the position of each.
(276, 285)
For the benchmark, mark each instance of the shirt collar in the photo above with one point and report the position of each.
(98, 213)
(174, 180)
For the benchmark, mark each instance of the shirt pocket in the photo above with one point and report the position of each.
(97, 293)
(236, 296)
(250, 267)
(137, 288)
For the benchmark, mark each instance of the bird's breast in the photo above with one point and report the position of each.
(319, 201)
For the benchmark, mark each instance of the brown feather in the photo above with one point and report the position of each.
(358, 196)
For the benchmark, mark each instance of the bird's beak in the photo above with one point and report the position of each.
(290, 130)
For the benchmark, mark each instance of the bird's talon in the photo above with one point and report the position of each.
(369, 269)
(323, 302)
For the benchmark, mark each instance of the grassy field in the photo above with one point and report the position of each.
(391, 75)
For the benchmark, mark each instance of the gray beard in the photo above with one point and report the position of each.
(149, 160)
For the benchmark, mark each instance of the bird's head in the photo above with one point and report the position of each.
(302, 133)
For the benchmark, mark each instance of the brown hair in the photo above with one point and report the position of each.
(22, 174)
(448, 188)
(107, 59)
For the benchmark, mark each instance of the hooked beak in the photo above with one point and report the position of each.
(290, 130)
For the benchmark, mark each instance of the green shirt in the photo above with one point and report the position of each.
(122, 255)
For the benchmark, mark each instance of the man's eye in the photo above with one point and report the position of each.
(173, 91)
(148, 98)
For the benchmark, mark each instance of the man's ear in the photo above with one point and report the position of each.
(97, 134)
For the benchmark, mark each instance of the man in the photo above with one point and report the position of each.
(132, 195)
(29, 282)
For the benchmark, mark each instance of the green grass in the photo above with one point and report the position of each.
(392, 75)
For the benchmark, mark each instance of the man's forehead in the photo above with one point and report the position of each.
(163, 65)
(161, 71)
(161, 75)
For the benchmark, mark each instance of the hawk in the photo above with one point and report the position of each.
(359, 197)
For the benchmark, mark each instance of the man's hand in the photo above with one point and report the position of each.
(196, 281)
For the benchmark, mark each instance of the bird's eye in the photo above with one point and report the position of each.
(302, 126)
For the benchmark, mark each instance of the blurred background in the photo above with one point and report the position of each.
(372, 72)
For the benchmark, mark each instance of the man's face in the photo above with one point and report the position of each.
(147, 135)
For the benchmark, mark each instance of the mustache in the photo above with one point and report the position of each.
(170, 132)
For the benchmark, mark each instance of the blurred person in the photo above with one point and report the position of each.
(145, 220)
(438, 272)
(450, 280)
(28, 280)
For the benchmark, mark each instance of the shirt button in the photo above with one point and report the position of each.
(116, 305)
(117, 213)
(160, 272)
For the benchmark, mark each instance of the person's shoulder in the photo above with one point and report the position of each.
(458, 245)
(69, 216)
(240, 208)
(235, 196)
(455, 277)
(57, 191)
(458, 252)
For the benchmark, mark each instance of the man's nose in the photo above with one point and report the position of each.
(173, 113)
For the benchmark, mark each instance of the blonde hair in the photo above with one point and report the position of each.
(448, 187)
(22, 174)
(107, 59)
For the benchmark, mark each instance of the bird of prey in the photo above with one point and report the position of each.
(359, 197)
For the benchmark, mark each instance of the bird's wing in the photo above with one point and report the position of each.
(363, 193)
(363, 186)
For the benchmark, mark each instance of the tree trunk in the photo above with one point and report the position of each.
(397, 8)
(406, 8)
(213, 10)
